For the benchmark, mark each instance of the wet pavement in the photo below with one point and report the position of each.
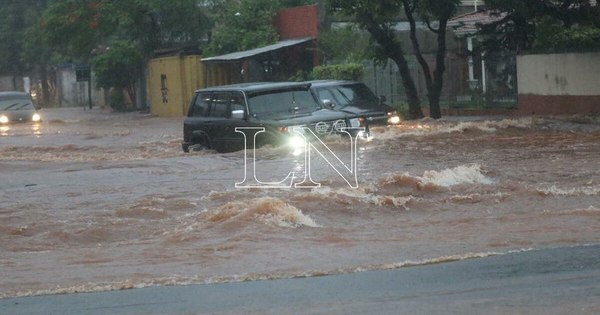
(551, 281)
(96, 201)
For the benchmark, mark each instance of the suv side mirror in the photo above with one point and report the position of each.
(238, 114)
(382, 99)
(328, 103)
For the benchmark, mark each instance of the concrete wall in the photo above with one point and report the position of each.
(10, 83)
(559, 84)
(70, 93)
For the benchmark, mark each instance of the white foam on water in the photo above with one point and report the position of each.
(577, 191)
(269, 210)
(477, 197)
(460, 175)
(363, 195)
(456, 176)
(196, 280)
(429, 128)
(491, 125)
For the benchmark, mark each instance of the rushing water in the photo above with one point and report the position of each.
(97, 201)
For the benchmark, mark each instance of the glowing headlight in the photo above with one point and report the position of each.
(296, 142)
(3, 119)
(394, 120)
(36, 117)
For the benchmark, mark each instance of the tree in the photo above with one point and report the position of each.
(546, 25)
(244, 25)
(342, 45)
(78, 28)
(118, 68)
(75, 27)
(23, 51)
(379, 18)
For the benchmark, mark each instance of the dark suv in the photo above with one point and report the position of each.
(215, 113)
(357, 99)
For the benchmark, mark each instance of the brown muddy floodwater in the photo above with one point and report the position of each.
(91, 200)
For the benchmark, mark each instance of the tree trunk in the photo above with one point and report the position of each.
(438, 74)
(45, 89)
(414, 104)
(435, 111)
(385, 37)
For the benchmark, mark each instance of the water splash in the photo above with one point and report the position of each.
(273, 211)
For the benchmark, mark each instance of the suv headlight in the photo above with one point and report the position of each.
(3, 119)
(393, 118)
(296, 142)
(36, 117)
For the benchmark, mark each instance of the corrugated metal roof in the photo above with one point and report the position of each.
(236, 56)
(466, 24)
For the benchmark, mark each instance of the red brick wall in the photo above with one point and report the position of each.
(297, 22)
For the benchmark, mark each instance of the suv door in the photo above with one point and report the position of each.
(230, 140)
(198, 126)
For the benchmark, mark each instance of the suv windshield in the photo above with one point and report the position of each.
(15, 103)
(279, 103)
(357, 95)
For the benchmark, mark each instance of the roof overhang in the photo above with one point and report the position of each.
(241, 55)
(468, 24)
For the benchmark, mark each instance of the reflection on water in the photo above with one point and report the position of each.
(136, 205)
(36, 128)
(21, 129)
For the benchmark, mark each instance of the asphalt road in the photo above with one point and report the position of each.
(550, 281)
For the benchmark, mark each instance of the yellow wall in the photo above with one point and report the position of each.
(182, 75)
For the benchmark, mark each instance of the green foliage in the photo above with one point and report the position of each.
(554, 37)
(436, 9)
(117, 100)
(379, 19)
(75, 30)
(300, 76)
(349, 71)
(21, 46)
(543, 25)
(342, 45)
(118, 67)
(243, 25)
(295, 3)
(76, 27)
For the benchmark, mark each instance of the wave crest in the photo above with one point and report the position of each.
(459, 175)
(269, 210)
(578, 191)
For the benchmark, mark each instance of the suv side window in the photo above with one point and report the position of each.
(201, 105)
(219, 107)
(238, 102)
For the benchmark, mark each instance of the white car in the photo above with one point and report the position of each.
(17, 107)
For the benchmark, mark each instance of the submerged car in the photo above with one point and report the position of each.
(17, 107)
(355, 98)
(216, 112)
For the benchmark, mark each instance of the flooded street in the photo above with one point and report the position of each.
(93, 200)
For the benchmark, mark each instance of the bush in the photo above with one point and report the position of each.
(117, 100)
(118, 69)
(348, 71)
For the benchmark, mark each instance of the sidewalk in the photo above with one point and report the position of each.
(561, 280)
